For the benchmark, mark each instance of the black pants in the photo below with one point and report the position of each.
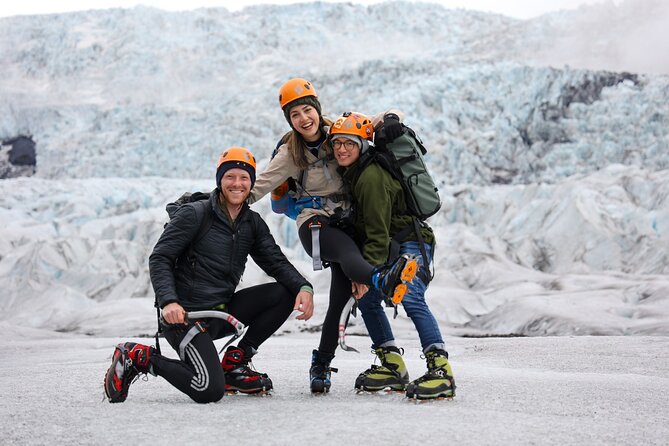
(346, 264)
(262, 308)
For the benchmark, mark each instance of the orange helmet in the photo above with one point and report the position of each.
(352, 123)
(295, 88)
(236, 157)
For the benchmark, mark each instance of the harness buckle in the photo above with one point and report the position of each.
(315, 227)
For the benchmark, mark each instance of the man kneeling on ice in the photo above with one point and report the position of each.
(196, 265)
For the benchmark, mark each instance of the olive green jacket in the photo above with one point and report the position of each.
(380, 211)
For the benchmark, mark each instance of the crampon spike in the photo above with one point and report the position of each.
(400, 291)
(409, 271)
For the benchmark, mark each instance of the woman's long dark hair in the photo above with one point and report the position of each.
(298, 147)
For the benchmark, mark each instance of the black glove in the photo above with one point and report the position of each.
(392, 127)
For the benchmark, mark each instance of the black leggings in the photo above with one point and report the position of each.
(338, 247)
(346, 264)
(262, 308)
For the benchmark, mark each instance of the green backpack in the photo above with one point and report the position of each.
(403, 158)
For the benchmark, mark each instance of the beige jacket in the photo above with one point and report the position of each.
(320, 180)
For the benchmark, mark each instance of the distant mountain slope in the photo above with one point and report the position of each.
(146, 92)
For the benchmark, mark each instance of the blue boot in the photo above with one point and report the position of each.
(392, 278)
(319, 373)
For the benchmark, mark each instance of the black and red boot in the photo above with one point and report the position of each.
(128, 361)
(239, 374)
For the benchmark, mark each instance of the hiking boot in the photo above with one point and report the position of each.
(128, 361)
(392, 373)
(319, 373)
(391, 279)
(437, 382)
(239, 374)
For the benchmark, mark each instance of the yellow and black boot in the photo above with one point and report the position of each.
(437, 382)
(391, 374)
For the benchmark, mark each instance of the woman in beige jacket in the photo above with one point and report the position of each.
(305, 156)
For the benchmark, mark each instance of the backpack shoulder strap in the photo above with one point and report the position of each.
(281, 142)
(365, 160)
(203, 214)
(293, 183)
(396, 242)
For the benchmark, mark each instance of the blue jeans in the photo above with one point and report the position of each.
(373, 313)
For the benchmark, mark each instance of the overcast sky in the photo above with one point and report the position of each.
(515, 8)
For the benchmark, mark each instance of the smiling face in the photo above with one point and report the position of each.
(346, 152)
(235, 186)
(304, 119)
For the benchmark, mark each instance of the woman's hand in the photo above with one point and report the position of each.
(304, 302)
(358, 290)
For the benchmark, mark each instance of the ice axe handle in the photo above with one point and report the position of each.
(238, 326)
(192, 315)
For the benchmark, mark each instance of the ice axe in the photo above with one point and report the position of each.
(195, 329)
(342, 326)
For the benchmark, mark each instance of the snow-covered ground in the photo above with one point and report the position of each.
(541, 391)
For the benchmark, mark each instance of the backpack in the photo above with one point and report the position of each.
(285, 198)
(204, 216)
(403, 158)
(201, 211)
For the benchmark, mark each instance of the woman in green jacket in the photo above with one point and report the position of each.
(380, 214)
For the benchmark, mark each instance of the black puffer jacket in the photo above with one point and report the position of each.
(220, 257)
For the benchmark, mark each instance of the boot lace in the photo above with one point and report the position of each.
(323, 371)
(433, 370)
(247, 368)
(380, 354)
